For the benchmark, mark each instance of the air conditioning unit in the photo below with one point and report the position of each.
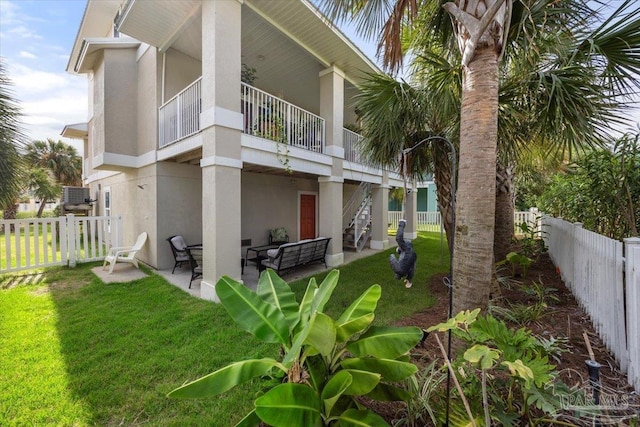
(75, 196)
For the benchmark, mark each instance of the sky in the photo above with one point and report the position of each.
(36, 37)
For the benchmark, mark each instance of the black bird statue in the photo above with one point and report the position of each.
(405, 265)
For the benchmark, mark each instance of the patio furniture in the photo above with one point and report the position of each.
(124, 253)
(258, 253)
(292, 255)
(179, 250)
(278, 236)
(195, 262)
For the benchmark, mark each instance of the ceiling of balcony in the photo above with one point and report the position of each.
(287, 42)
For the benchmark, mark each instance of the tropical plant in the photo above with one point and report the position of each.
(60, 158)
(601, 190)
(11, 137)
(326, 364)
(505, 373)
(563, 72)
(424, 390)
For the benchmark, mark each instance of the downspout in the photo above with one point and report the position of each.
(164, 68)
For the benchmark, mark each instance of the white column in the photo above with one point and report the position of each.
(411, 215)
(332, 110)
(221, 126)
(380, 214)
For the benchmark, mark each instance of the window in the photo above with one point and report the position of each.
(107, 207)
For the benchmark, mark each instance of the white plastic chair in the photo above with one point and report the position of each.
(124, 253)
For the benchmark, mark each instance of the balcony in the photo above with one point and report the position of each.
(265, 116)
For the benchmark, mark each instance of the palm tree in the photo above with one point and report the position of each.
(480, 35)
(11, 169)
(43, 186)
(397, 116)
(58, 157)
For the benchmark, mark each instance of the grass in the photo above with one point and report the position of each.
(75, 351)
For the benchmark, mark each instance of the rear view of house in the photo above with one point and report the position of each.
(220, 120)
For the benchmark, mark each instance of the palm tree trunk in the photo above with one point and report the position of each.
(41, 208)
(505, 198)
(476, 195)
(442, 179)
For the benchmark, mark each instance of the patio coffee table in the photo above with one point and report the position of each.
(259, 253)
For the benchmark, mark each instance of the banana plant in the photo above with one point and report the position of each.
(326, 363)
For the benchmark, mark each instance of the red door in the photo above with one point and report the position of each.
(307, 216)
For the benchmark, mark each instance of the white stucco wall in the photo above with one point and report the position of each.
(270, 201)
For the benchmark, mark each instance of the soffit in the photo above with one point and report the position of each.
(307, 27)
(91, 48)
(158, 24)
(97, 21)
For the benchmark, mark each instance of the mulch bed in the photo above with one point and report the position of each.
(564, 318)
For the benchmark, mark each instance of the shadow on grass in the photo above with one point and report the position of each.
(126, 345)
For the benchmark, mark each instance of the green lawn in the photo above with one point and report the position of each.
(77, 352)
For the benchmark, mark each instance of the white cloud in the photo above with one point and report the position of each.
(27, 55)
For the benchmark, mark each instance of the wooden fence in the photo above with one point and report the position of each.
(604, 276)
(66, 240)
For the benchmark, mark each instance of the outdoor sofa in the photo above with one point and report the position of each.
(291, 255)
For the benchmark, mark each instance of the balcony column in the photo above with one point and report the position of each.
(332, 110)
(221, 127)
(380, 213)
(411, 229)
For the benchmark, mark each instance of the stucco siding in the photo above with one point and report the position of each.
(270, 201)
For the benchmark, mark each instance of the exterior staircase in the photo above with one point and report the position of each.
(356, 219)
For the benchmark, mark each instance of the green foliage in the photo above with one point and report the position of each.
(11, 138)
(516, 260)
(514, 364)
(58, 157)
(602, 191)
(248, 74)
(425, 397)
(537, 305)
(325, 364)
(532, 243)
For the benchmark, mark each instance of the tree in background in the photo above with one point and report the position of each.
(11, 137)
(43, 186)
(591, 66)
(58, 157)
(601, 191)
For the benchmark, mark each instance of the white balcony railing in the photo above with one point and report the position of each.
(180, 116)
(265, 116)
(273, 118)
(351, 141)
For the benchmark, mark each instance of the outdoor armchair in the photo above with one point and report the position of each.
(195, 262)
(124, 253)
(179, 250)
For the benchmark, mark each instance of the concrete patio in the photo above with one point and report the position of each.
(250, 277)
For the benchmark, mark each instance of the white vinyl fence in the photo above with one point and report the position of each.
(431, 221)
(604, 276)
(66, 240)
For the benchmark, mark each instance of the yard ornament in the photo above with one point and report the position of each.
(405, 265)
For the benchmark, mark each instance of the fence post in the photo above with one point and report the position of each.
(119, 231)
(632, 274)
(71, 239)
(535, 220)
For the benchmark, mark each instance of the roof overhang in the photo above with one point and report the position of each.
(97, 21)
(154, 25)
(89, 52)
(312, 30)
(75, 131)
